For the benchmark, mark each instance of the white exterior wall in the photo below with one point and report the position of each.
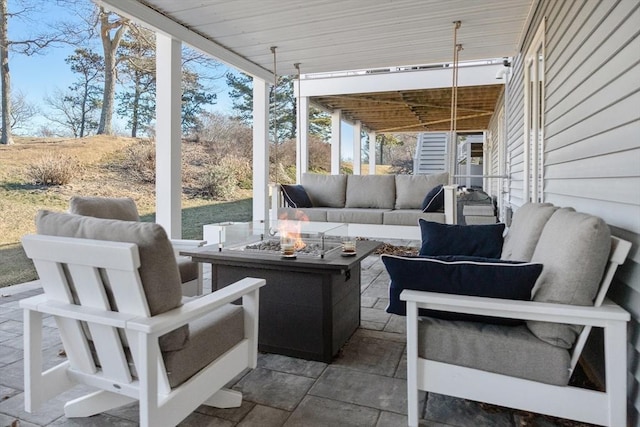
(592, 135)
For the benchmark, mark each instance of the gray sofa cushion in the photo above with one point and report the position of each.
(508, 350)
(371, 191)
(123, 208)
(158, 269)
(522, 237)
(356, 216)
(325, 190)
(410, 217)
(411, 189)
(210, 336)
(312, 214)
(574, 249)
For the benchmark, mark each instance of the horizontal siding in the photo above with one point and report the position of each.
(591, 134)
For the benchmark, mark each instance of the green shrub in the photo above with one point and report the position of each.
(219, 181)
(53, 169)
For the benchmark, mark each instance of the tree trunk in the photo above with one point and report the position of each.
(5, 76)
(109, 47)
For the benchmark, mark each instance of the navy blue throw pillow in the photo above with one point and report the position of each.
(471, 240)
(434, 200)
(460, 275)
(296, 196)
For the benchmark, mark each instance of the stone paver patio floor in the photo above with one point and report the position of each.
(364, 386)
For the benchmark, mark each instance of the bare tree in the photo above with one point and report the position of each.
(112, 29)
(29, 45)
(21, 111)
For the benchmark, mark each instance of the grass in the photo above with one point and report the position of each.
(20, 200)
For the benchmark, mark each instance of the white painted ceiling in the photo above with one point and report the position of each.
(337, 35)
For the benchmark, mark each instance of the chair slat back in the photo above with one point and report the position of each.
(619, 250)
(96, 274)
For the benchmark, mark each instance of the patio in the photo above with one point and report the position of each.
(364, 386)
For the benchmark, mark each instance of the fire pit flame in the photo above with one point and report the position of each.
(290, 229)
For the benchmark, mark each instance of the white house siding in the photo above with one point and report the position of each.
(592, 133)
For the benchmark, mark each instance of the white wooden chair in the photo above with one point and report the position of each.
(603, 408)
(94, 290)
(125, 209)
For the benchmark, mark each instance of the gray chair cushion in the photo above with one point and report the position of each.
(187, 268)
(105, 207)
(574, 249)
(210, 337)
(325, 190)
(411, 217)
(411, 189)
(522, 237)
(508, 350)
(356, 216)
(371, 191)
(158, 269)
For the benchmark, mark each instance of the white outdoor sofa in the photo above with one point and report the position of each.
(376, 206)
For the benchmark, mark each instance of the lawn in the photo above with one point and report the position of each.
(20, 199)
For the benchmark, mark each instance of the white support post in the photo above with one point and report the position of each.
(302, 149)
(260, 150)
(168, 135)
(372, 153)
(357, 148)
(336, 141)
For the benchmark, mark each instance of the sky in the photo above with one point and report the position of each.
(39, 76)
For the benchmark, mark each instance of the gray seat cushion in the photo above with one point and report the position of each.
(158, 269)
(123, 208)
(522, 237)
(371, 191)
(187, 268)
(210, 337)
(411, 189)
(574, 249)
(508, 350)
(325, 190)
(410, 217)
(356, 216)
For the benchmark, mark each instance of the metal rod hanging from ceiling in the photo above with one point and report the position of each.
(454, 101)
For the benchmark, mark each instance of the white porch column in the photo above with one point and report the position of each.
(168, 135)
(302, 147)
(336, 141)
(260, 150)
(357, 148)
(372, 153)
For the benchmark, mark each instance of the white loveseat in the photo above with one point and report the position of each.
(382, 206)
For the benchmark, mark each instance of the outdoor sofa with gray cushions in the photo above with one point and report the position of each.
(396, 200)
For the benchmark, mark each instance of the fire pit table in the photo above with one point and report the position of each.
(311, 303)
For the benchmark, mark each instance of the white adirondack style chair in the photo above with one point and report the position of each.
(599, 407)
(118, 351)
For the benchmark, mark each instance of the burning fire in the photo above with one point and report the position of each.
(290, 229)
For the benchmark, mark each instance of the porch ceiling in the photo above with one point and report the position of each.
(417, 110)
(326, 36)
(338, 35)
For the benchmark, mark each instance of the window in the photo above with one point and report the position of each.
(534, 118)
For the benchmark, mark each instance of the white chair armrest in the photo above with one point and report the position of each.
(166, 322)
(514, 309)
(41, 304)
(159, 324)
